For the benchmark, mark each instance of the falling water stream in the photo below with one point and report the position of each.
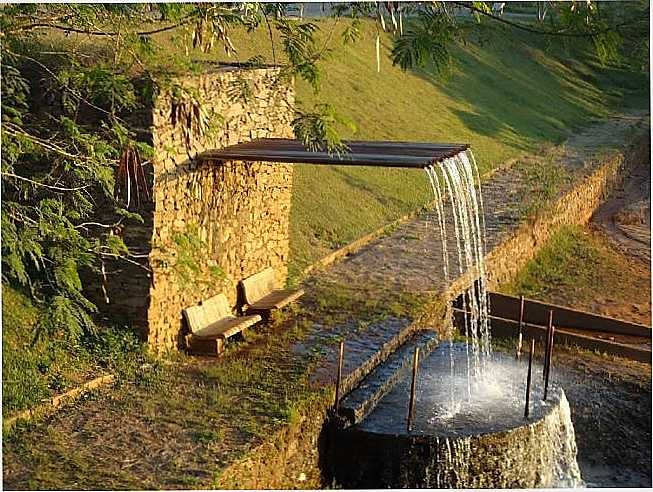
(494, 400)
(468, 428)
(459, 178)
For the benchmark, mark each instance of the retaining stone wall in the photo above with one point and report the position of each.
(210, 223)
(575, 206)
(240, 211)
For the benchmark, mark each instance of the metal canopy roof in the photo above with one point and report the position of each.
(361, 153)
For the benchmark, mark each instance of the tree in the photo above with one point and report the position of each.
(617, 31)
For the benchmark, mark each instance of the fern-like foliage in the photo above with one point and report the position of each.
(319, 129)
(62, 135)
(426, 40)
(300, 47)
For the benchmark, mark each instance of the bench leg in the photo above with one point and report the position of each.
(264, 313)
(211, 347)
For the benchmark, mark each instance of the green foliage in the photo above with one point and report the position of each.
(319, 129)
(62, 133)
(427, 40)
(33, 371)
(299, 45)
(617, 33)
(483, 7)
(352, 32)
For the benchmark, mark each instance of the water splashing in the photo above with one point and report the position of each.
(485, 442)
(460, 180)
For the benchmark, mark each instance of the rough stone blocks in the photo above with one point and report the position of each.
(210, 216)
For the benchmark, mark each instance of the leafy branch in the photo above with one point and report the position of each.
(319, 129)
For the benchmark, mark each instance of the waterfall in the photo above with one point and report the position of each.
(456, 184)
(459, 178)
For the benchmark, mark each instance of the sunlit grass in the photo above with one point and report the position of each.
(508, 93)
(577, 267)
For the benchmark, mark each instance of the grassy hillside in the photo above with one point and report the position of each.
(507, 94)
(33, 370)
(581, 268)
(36, 368)
(504, 98)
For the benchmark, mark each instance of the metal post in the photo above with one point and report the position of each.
(413, 388)
(528, 379)
(341, 357)
(548, 365)
(546, 348)
(521, 324)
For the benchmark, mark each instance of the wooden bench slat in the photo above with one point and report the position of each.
(227, 327)
(217, 307)
(258, 285)
(196, 318)
(211, 323)
(277, 299)
(261, 295)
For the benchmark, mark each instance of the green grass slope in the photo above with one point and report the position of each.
(507, 94)
(36, 368)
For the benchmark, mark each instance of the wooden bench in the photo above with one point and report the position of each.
(261, 296)
(211, 323)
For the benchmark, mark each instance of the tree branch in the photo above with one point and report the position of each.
(124, 258)
(85, 225)
(532, 30)
(267, 23)
(45, 25)
(56, 188)
(16, 131)
(64, 86)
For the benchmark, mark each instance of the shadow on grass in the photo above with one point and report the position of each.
(553, 93)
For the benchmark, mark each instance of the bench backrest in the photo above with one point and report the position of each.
(258, 285)
(207, 313)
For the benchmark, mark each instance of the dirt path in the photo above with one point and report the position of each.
(625, 217)
(603, 268)
(624, 223)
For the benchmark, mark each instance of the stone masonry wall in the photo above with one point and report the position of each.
(205, 218)
(210, 216)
